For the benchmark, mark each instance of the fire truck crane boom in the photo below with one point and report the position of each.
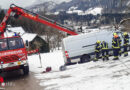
(4, 23)
(18, 11)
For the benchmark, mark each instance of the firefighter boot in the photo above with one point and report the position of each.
(107, 58)
(115, 58)
(120, 53)
(125, 54)
(95, 59)
(103, 58)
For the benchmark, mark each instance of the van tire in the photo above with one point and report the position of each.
(85, 58)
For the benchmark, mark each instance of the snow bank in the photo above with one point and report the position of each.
(54, 60)
(108, 75)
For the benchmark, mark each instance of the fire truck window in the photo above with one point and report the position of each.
(3, 44)
(15, 43)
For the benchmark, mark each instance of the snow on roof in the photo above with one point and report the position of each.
(94, 11)
(28, 36)
(75, 11)
(17, 30)
(23, 34)
(10, 31)
(72, 8)
(56, 13)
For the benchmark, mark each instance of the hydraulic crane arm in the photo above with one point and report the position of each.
(18, 11)
(4, 22)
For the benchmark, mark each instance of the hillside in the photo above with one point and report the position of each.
(113, 6)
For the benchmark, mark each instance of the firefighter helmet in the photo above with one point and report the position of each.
(125, 33)
(114, 34)
(98, 41)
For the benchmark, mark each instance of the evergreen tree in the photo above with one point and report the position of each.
(2, 14)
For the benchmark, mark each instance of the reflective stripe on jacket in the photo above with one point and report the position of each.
(97, 47)
(104, 45)
(126, 40)
(116, 43)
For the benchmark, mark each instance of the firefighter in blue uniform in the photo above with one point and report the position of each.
(97, 50)
(116, 43)
(104, 48)
(126, 42)
(120, 52)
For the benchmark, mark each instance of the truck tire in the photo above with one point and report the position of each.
(26, 70)
(85, 58)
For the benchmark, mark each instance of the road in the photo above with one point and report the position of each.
(16, 81)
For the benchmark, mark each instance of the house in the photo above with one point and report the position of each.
(35, 41)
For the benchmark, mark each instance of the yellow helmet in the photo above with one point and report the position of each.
(125, 33)
(114, 34)
(98, 41)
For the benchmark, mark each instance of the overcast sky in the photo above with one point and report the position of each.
(23, 3)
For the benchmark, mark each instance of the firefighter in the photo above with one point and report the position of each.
(104, 48)
(126, 41)
(120, 52)
(97, 50)
(119, 43)
(116, 42)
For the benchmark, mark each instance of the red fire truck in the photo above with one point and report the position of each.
(13, 54)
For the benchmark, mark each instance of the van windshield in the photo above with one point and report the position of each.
(11, 43)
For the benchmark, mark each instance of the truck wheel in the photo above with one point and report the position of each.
(85, 58)
(26, 70)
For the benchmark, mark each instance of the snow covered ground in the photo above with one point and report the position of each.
(108, 75)
(54, 60)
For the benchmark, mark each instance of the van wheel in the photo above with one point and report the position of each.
(85, 58)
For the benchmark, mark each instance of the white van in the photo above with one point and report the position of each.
(80, 48)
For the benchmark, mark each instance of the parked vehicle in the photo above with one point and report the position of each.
(81, 48)
(13, 53)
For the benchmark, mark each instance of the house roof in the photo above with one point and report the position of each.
(16, 29)
(23, 34)
(28, 36)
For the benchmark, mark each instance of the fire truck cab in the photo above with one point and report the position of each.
(13, 54)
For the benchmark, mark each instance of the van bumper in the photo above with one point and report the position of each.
(72, 61)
